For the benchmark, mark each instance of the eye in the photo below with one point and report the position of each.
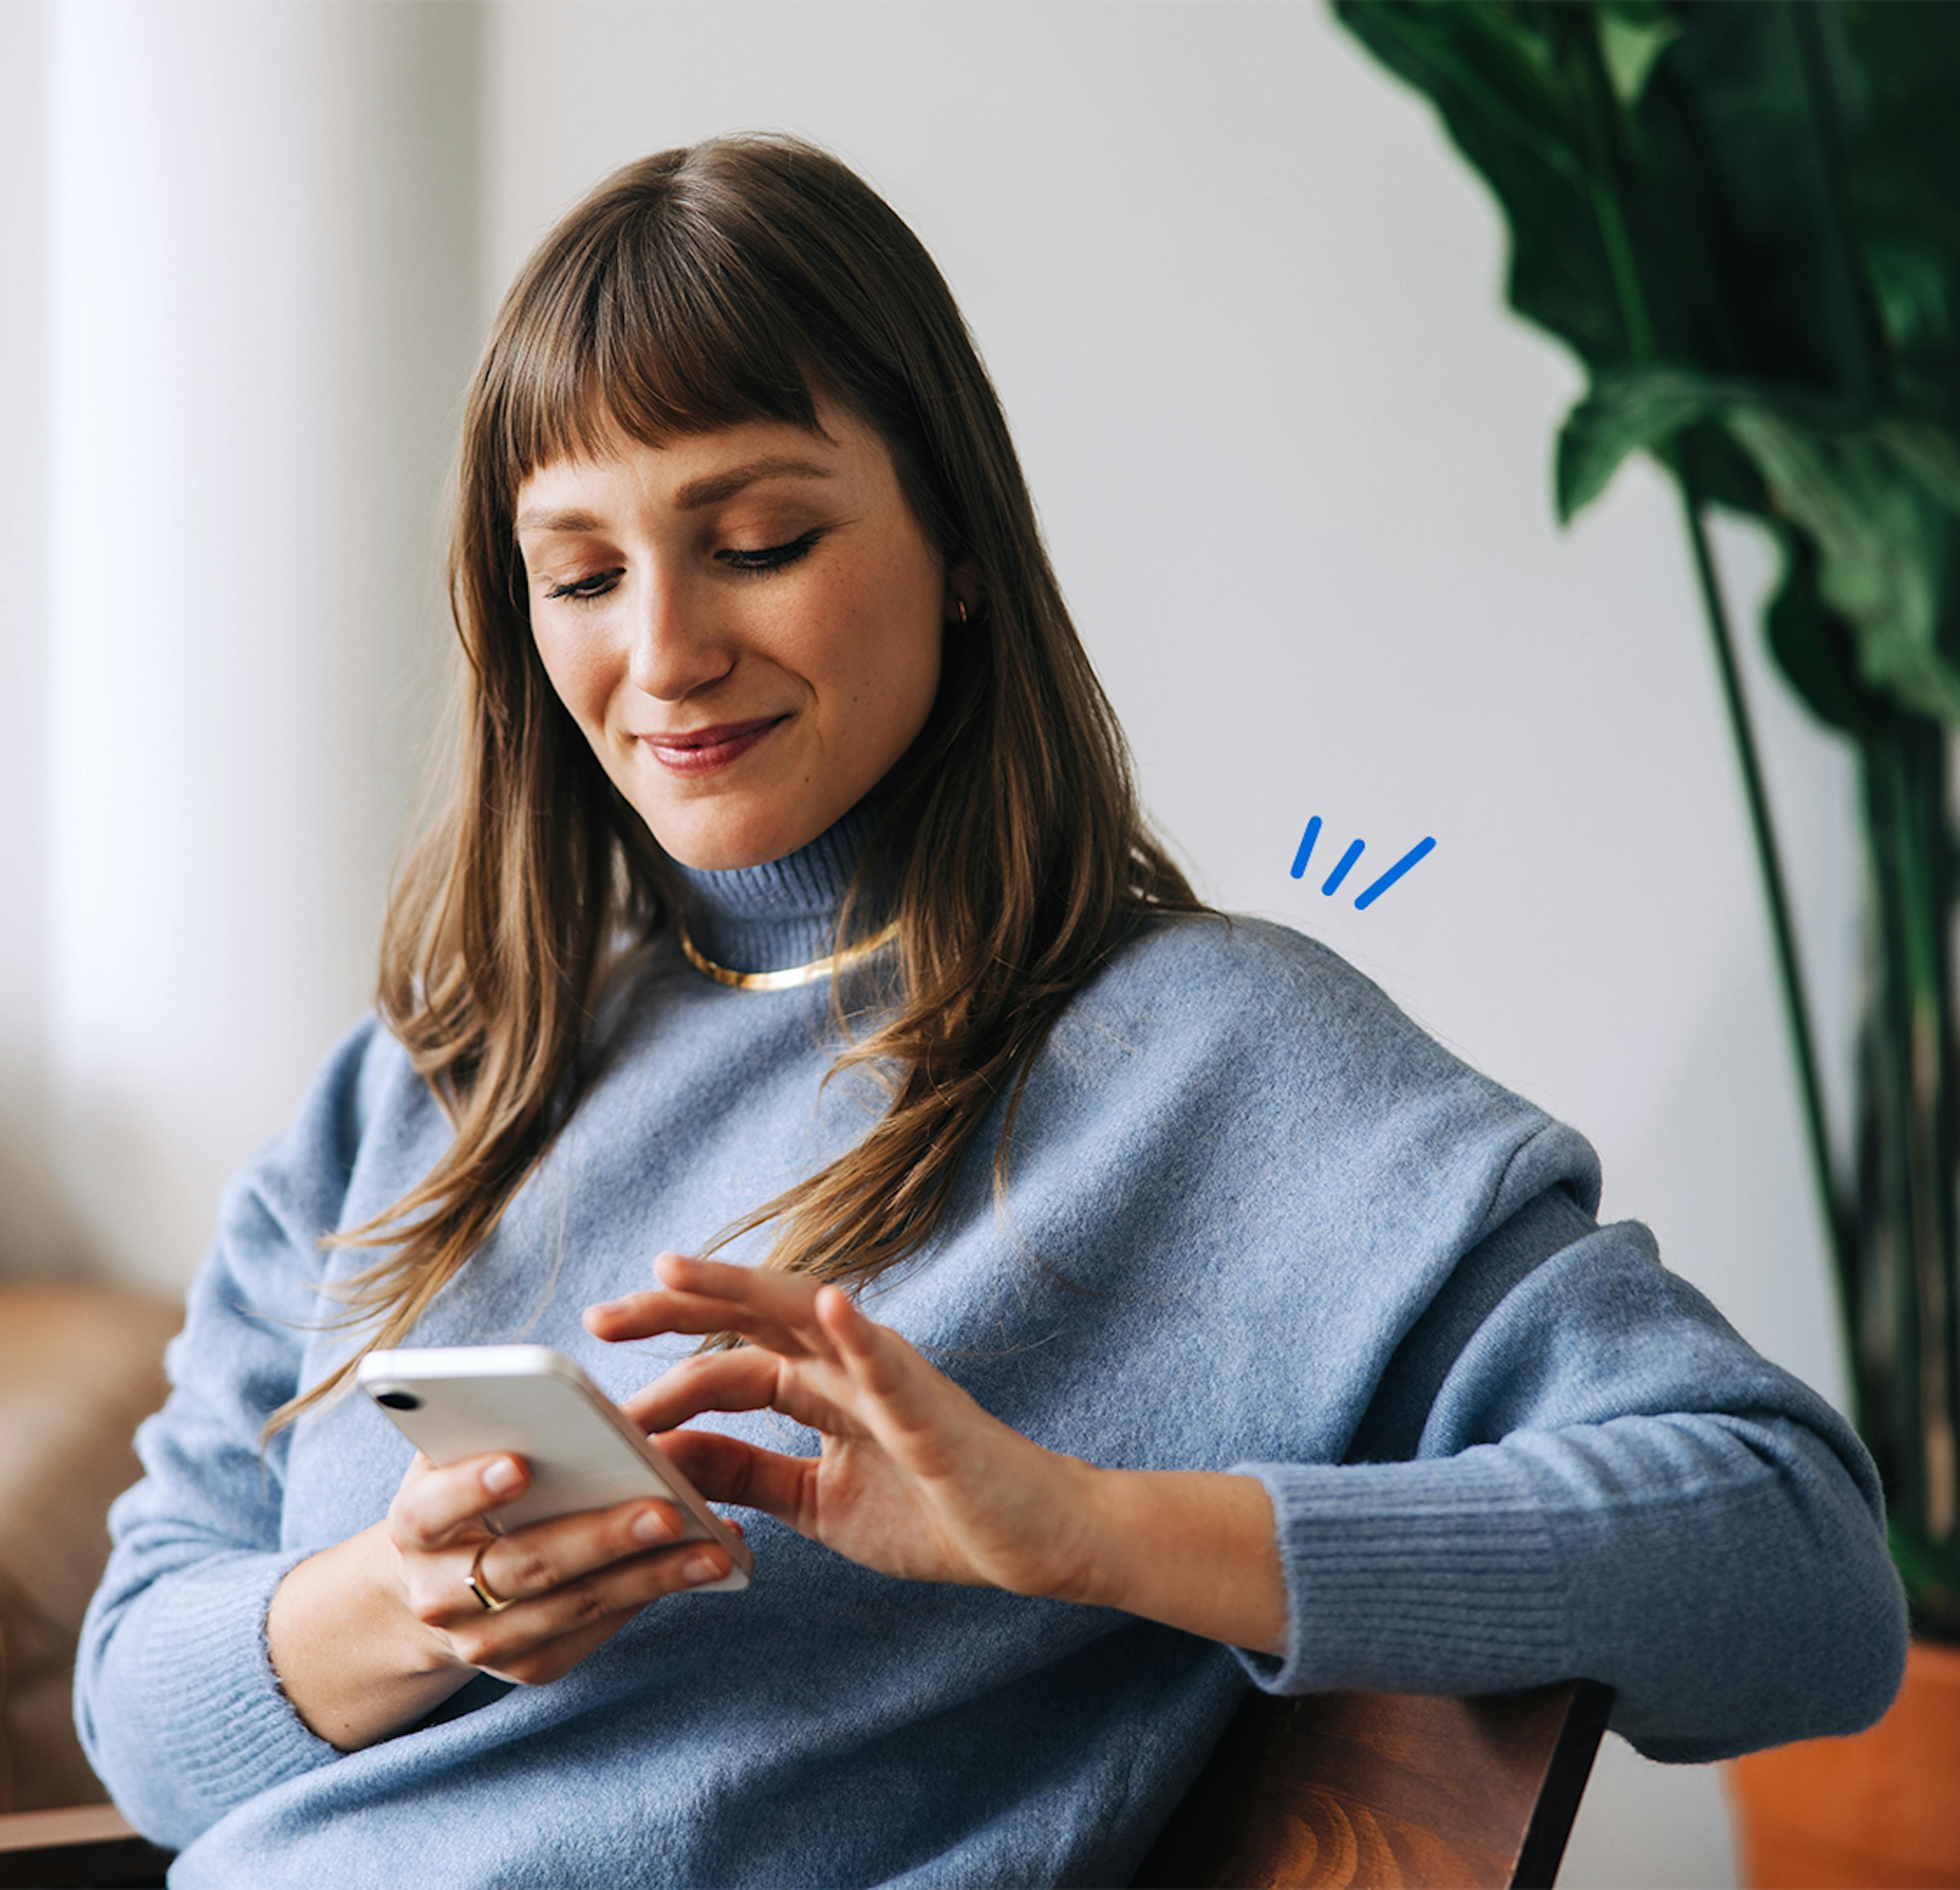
(771, 557)
(584, 589)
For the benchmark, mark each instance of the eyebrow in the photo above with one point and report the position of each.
(711, 489)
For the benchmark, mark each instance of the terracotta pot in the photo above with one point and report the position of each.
(1879, 1809)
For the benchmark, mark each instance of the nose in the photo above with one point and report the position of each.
(676, 647)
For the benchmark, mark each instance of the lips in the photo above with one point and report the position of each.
(712, 737)
(702, 751)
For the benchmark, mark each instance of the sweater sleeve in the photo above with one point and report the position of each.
(1585, 1472)
(176, 1701)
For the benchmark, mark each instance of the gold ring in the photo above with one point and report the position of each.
(493, 1602)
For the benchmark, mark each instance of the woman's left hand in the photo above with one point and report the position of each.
(915, 1479)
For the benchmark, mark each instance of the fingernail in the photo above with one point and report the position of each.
(700, 1566)
(502, 1477)
(650, 1526)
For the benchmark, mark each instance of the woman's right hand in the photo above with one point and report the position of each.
(368, 1636)
(572, 1583)
(573, 1580)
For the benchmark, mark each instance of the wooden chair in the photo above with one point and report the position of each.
(1381, 1791)
(85, 1845)
(1389, 1791)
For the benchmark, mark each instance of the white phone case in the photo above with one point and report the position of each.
(583, 1452)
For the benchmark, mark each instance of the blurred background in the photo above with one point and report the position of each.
(1243, 306)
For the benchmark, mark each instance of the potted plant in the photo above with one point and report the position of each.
(1746, 221)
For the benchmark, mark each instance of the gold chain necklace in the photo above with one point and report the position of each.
(789, 978)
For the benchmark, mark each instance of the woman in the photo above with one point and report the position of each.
(794, 872)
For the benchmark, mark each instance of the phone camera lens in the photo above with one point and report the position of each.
(399, 1400)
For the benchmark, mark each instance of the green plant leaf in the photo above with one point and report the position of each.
(1630, 40)
(1745, 222)
(1882, 541)
(1878, 498)
(1928, 453)
(1490, 74)
(1724, 475)
(1626, 411)
(1814, 649)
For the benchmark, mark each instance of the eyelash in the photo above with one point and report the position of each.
(772, 557)
(768, 558)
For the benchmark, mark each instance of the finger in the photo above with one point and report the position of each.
(702, 1297)
(755, 1286)
(551, 1659)
(744, 1380)
(737, 1297)
(877, 1358)
(533, 1560)
(433, 1504)
(912, 1408)
(649, 1314)
(729, 1470)
(517, 1643)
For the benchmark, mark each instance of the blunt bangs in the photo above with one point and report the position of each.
(633, 332)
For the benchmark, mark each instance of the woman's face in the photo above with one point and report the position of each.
(745, 625)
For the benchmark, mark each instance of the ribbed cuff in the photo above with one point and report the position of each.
(217, 1721)
(1436, 1576)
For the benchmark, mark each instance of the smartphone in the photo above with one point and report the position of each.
(452, 1401)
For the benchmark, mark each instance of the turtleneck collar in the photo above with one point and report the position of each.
(783, 913)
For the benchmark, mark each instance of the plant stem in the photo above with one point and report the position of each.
(1838, 1233)
(1886, 1193)
(1924, 903)
(1600, 114)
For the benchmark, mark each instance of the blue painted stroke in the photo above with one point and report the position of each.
(1394, 872)
(1340, 873)
(1306, 841)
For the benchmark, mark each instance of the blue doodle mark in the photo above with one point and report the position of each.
(1394, 874)
(1340, 873)
(1306, 841)
(1367, 898)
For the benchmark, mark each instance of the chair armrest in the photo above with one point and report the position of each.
(1426, 1791)
(91, 1845)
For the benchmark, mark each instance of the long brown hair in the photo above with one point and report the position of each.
(740, 279)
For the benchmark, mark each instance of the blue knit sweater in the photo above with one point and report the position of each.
(1259, 1220)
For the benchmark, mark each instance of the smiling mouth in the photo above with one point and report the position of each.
(701, 751)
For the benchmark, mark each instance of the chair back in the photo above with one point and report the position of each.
(1387, 1790)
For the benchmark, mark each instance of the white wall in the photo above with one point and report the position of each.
(1243, 301)
(32, 1226)
(260, 265)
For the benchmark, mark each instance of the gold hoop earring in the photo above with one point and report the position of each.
(959, 604)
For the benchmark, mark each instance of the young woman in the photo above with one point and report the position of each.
(1142, 1284)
